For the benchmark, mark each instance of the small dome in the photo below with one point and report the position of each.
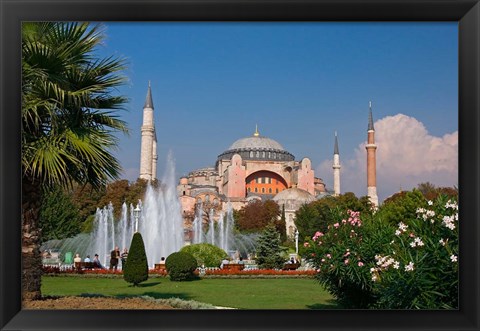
(294, 194)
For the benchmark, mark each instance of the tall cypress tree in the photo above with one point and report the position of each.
(136, 268)
(269, 250)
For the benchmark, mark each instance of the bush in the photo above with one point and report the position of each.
(206, 254)
(135, 270)
(342, 256)
(420, 269)
(372, 264)
(181, 266)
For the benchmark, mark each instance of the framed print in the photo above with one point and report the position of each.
(244, 81)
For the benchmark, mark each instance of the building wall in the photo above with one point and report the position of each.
(235, 175)
(306, 176)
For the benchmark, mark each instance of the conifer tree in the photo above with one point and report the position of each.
(269, 250)
(136, 267)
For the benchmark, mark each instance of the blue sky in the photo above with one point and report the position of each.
(300, 82)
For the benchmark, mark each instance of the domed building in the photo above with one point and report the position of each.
(255, 167)
(252, 168)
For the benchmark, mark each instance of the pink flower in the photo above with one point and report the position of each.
(346, 254)
(323, 260)
(346, 261)
(306, 244)
(317, 235)
(360, 264)
(336, 225)
(329, 256)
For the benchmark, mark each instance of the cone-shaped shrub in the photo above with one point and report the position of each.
(181, 266)
(135, 270)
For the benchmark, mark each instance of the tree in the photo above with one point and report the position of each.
(135, 270)
(269, 252)
(256, 215)
(68, 122)
(59, 217)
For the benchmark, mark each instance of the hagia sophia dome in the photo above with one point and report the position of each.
(257, 147)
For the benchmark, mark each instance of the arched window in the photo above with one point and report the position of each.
(270, 190)
(257, 154)
(263, 154)
(207, 198)
(251, 153)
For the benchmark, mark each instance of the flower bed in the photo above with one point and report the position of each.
(49, 270)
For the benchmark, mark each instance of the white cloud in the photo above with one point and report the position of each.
(406, 156)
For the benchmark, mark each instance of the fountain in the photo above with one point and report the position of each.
(221, 234)
(161, 224)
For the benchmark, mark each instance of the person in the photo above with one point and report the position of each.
(162, 260)
(97, 263)
(87, 259)
(114, 255)
(240, 260)
(292, 260)
(224, 261)
(124, 257)
(77, 258)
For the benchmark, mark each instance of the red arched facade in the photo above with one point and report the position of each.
(265, 182)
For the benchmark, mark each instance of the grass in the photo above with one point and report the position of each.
(274, 293)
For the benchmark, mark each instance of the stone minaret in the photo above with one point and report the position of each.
(148, 153)
(371, 161)
(336, 168)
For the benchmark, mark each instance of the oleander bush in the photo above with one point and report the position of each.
(181, 266)
(206, 254)
(343, 253)
(420, 267)
(374, 263)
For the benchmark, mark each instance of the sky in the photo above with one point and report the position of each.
(212, 82)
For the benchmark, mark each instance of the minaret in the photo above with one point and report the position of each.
(336, 168)
(148, 153)
(371, 161)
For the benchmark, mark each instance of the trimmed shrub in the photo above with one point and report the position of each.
(181, 266)
(135, 270)
(206, 254)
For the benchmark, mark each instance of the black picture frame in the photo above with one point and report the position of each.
(465, 12)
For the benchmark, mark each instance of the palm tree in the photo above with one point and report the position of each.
(69, 122)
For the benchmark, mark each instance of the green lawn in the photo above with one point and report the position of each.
(285, 293)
